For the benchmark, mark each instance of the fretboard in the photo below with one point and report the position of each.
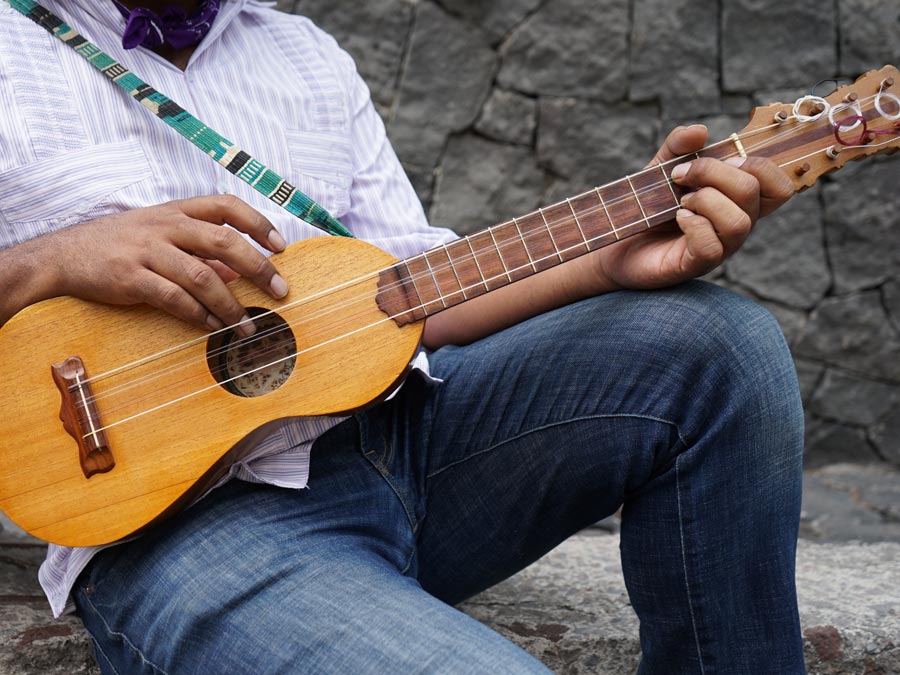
(442, 277)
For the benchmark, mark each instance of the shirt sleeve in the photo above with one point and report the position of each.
(384, 207)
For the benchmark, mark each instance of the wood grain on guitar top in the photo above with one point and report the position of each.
(349, 355)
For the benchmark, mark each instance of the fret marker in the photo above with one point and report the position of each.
(637, 199)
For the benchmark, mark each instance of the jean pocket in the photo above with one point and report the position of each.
(52, 193)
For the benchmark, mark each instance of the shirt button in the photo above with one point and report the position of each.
(222, 187)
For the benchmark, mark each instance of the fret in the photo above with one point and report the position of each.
(658, 197)
(608, 217)
(444, 273)
(578, 223)
(594, 225)
(455, 274)
(668, 182)
(488, 258)
(623, 210)
(465, 265)
(500, 254)
(412, 279)
(509, 237)
(638, 200)
(477, 264)
(425, 283)
(569, 242)
(437, 286)
(550, 232)
(530, 259)
(542, 251)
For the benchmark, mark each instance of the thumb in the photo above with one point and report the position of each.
(681, 141)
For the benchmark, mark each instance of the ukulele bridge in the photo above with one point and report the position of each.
(80, 417)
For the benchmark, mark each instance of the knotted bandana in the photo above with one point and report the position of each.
(174, 27)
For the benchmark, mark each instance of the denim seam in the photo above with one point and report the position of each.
(558, 424)
(106, 659)
(383, 471)
(687, 583)
(111, 633)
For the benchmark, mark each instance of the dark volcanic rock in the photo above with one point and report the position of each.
(861, 225)
(847, 398)
(374, 33)
(771, 43)
(870, 34)
(886, 436)
(443, 87)
(483, 183)
(495, 17)
(675, 56)
(784, 258)
(593, 143)
(829, 443)
(508, 117)
(570, 47)
(852, 331)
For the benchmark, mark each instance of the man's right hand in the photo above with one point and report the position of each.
(169, 256)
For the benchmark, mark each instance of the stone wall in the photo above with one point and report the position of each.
(496, 107)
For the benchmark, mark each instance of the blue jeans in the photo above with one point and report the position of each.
(680, 405)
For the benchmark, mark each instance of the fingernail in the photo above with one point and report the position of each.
(246, 327)
(736, 161)
(697, 126)
(214, 323)
(680, 171)
(276, 240)
(278, 286)
(684, 213)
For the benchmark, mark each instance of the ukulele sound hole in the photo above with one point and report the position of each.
(255, 365)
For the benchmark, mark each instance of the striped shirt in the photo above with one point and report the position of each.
(74, 148)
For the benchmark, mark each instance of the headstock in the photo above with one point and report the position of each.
(816, 135)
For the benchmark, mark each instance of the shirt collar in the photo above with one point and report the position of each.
(106, 14)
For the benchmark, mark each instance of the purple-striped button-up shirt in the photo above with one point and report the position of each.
(74, 148)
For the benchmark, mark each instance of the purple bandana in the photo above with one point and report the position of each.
(174, 27)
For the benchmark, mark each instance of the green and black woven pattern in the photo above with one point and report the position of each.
(226, 153)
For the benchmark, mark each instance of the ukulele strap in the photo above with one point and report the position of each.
(224, 152)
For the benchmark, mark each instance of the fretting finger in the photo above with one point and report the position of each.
(731, 223)
(703, 249)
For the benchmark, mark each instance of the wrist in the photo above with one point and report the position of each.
(591, 277)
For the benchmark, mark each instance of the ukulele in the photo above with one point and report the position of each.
(120, 416)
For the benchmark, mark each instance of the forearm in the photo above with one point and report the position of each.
(507, 306)
(27, 276)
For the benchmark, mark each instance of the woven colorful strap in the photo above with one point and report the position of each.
(226, 153)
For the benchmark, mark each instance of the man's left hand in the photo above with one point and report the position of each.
(725, 201)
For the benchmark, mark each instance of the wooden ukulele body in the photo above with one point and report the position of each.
(181, 427)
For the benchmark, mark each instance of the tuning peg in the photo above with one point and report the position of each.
(851, 97)
(801, 169)
(886, 83)
(781, 116)
(833, 152)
